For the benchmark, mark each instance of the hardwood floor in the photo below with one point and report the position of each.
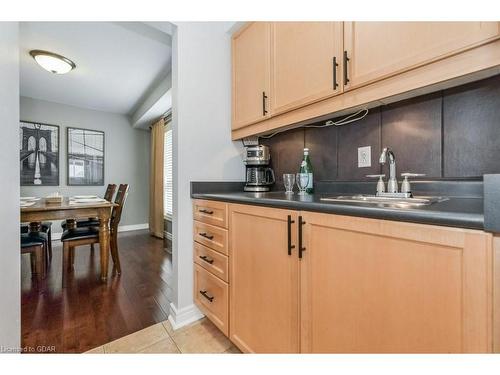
(86, 313)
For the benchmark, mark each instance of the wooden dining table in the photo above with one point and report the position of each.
(44, 211)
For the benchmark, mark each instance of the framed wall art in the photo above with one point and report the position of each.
(85, 161)
(39, 154)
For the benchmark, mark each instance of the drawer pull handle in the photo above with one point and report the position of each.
(208, 212)
(204, 234)
(206, 295)
(206, 259)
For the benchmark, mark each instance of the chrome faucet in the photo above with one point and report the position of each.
(392, 184)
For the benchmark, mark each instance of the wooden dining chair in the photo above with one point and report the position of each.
(35, 244)
(91, 221)
(80, 236)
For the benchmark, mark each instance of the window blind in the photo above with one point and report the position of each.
(167, 172)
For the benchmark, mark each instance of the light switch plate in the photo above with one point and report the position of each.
(364, 157)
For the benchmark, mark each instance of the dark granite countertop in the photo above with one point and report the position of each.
(462, 210)
(456, 212)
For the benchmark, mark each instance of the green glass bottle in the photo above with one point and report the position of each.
(306, 167)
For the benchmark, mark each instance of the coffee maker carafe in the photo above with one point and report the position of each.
(259, 176)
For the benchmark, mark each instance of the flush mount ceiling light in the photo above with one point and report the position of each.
(53, 62)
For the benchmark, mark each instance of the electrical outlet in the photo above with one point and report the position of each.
(364, 157)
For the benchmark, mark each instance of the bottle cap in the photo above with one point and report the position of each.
(306, 150)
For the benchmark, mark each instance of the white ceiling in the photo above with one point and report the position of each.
(117, 64)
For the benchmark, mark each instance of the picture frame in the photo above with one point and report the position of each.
(85, 157)
(39, 153)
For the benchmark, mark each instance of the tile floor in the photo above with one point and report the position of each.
(199, 337)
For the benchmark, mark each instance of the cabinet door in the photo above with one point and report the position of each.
(303, 58)
(380, 49)
(264, 293)
(251, 49)
(375, 286)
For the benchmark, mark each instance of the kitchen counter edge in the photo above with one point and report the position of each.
(434, 217)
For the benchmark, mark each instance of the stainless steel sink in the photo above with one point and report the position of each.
(386, 201)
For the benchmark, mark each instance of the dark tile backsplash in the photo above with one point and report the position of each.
(454, 133)
(413, 131)
(325, 162)
(471, 122)
(283, 159)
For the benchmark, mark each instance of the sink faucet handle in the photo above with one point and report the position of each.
(409, 174)
(405, 185)
(380, 182)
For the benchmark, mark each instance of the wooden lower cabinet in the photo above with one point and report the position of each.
(264, 293)
(211, 296)
(362, 285)
(211, 236)
(210, 212)
(213, 261)
(375, 286)
(211, 264)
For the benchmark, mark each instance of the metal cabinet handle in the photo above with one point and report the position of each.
(204, 234)
(301, 248)
(346, 77)
(335, 65)
(206, 211)
(206, 295)
(264, 97)
(290, 246)
(206, 259)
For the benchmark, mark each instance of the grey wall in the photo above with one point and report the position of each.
(126, 154)
(10, 288)
(448, 134)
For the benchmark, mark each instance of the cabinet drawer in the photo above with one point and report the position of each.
(211, 294)
(211, 260)
(210, 212)
(211, 236)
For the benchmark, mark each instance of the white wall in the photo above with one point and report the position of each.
(126, 154)
(10, 289)
(203, 150)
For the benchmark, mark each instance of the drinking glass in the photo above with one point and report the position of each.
(302, 182)
(289, 181)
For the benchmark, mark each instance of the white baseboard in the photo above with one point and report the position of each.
(121, 228)
(128, 228)
(184, 316)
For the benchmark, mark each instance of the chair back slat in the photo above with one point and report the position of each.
(110, 192)
(121, 197)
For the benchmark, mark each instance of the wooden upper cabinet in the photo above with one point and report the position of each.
(303, 58)
(380, 49)
(264, 293)
(376, 286)
(251, 57)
